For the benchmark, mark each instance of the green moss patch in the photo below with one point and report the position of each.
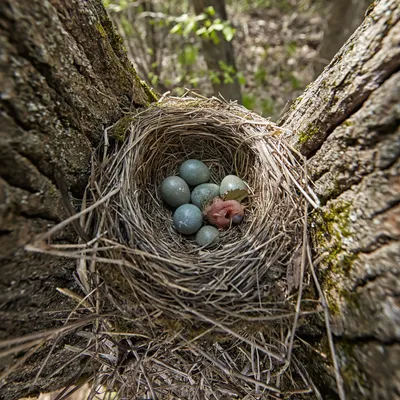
(332, 228)
(308, 134)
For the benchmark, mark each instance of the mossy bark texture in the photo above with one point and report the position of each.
(347, 124)
(64, 76)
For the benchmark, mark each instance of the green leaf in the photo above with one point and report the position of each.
(188, 56)
(227, 78)
(241, 78)
(227, 68)
(183, 18)
(248, 101)
(214, 77)
(154, 80)
(210, 10)
(194, 81)
(201, 17)
(229, 33)
(201, 31)
(214, 37)
(216, 27)
(176, 29)
(123, 4)
(191, 25)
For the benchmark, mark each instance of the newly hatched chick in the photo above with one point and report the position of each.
(222, 213)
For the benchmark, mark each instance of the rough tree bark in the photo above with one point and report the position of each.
(223, 51)
(347, 124)
(64, 76)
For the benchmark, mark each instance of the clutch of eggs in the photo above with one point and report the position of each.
(188, 218)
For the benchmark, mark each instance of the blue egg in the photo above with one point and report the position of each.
(204, 194)
(188, 219)
(194, 172)
(207, 236)
(175, 191)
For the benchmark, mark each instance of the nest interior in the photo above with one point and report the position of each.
(246, 275)
(203, 322)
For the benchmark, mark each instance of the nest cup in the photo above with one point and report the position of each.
(200, 323)
(247, 271)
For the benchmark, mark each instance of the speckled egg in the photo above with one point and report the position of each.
(188, 219)
(194, 172)
(175, 191)
(204, 194)
(207, 236)
(231, 182)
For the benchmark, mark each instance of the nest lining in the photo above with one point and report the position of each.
(211, 312)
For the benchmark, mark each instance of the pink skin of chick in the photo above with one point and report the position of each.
(222, 213)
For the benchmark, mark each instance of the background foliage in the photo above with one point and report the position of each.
(275, 44)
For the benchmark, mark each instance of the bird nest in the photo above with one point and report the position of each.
(179, 321)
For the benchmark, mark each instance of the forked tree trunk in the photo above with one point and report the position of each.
(64, 75)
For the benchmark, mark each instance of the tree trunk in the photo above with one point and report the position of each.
(64, 76)
(347, 124)
(344, 18)
(221, 52)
